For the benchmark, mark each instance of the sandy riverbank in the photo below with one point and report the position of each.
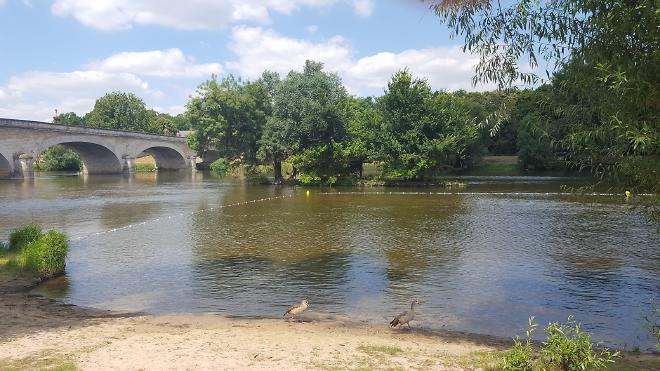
(37, 332)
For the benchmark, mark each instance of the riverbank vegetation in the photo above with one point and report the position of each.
(564, 103)
(30, 250)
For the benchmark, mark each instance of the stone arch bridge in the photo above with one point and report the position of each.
(102, 151)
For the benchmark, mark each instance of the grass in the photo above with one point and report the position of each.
(144, 167)
(31, 251)
(495, 170)
(43, 361)
(380, 349)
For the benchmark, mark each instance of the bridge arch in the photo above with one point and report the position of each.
(6, 168)
(97, 157)
(167, 157)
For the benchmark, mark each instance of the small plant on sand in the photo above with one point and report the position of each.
(521, 356)
(46, 256)
(653, 322)
(20, 238)
(569, 348)
(566, 348)
(31, 250)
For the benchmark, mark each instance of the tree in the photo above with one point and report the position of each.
(69, 118)
(228, 116)
(606, 75)
(120, 111)
(306, 116)
(424, 132)
(59, 158)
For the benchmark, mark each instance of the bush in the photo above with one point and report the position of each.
(222, 166)
(567, 348)
(521, 356)
(570, 348)
(22, 237)
(59, 158)
(46, 255)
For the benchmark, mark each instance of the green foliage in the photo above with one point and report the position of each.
(652, 322)
(424, 133)
(20, 238)
(228, 116)
(46, 255)
(161, 123)
(222, 166)
(306, 116)
(521, 356)
(566, 348)
(121, 111)
(58, 158)
(69, 118)
(569, 348)
(144, 167)
(606, 103)
(321, 164)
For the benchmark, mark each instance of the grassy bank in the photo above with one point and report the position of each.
(31, 251)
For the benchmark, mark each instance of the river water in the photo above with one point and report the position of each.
(482, 258)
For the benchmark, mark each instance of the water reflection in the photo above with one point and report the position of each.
(481, 261)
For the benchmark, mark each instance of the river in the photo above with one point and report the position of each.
(482, 258)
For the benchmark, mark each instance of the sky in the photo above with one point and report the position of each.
(64, 54)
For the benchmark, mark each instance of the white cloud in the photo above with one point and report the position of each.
(186, 15)
(258, 50)
(447, 68)
(363, 8)
(160, 63)
(312, 28)
(35, 95)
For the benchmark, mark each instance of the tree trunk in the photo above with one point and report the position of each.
(277, 170)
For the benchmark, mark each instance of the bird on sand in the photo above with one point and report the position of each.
(296, 309)
(405, 317)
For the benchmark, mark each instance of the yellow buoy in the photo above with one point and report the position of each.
(307, 193)
(627, 194)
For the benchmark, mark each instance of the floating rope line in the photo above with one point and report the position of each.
(169, 217)
(476, 193)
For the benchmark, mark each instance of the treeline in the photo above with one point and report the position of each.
(308, 119)
(125, 111)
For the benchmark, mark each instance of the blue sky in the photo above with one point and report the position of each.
(64, 54)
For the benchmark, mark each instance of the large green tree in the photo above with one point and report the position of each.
(69, 118)
(422, 132)
(228, 116)
(306, 123)
(602, 58)
(121, 111)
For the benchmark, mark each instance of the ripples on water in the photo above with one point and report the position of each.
(481, 261)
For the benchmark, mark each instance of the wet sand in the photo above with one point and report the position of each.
(37, 332)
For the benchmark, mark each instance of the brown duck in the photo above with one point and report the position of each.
(405, 317)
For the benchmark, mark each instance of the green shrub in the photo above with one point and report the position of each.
(653, 322)
(19, 238)
(58, 158)
(521, 356)
(222, 166)
(46, 256)
(569, 348)
(144, 167)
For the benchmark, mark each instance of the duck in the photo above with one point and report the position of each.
(405, 317)
(296, 309)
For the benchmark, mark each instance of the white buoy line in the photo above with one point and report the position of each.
(477, 193)
(169, 217)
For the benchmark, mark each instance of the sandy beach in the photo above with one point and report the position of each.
(36, 333)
